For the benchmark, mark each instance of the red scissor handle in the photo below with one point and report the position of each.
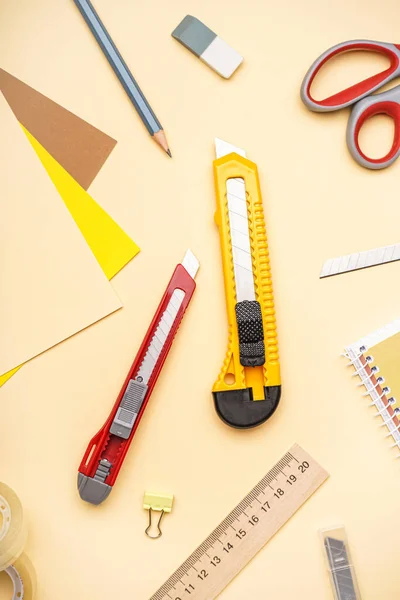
(105, 446)
(356, 92)
(387, 103)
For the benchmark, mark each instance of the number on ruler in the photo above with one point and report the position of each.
(265, 506)
(304, 465)
(202, 575)
(189, 589)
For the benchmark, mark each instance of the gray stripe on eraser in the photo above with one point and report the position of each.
(194, 35)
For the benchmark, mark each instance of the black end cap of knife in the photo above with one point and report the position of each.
(238, 409)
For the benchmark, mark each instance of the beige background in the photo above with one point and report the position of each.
(318, 204)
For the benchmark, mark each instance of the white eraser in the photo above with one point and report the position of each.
(204, 43)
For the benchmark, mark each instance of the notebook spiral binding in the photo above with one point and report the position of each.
(378, 392)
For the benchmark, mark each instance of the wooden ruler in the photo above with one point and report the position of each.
(246, 529)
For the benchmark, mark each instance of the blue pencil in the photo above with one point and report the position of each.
(123, 73)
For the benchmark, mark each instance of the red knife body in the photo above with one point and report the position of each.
(106, 451)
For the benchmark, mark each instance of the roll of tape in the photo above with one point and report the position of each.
(23, 576)
(13, 529)
(13, 533)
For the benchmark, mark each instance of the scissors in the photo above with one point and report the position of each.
(359, 95)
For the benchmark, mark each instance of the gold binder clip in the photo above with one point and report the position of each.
(157, 502)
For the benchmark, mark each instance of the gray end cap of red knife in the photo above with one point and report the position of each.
(91, 490)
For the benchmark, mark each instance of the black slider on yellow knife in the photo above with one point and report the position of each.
(248, 389)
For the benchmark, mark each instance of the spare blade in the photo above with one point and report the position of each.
(360, 260)
(165, 324)
(239, 227)
(340, 568)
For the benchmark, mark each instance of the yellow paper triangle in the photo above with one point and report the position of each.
(8, 375)
(112, 247)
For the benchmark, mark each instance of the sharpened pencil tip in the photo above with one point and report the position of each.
(160, 138)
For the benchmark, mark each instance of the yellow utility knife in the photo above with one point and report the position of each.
(248, 388)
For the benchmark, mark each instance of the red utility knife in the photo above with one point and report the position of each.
(107, 450)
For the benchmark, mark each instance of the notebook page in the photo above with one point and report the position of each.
(386, 356)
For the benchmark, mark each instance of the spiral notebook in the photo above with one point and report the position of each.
(376, 360)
